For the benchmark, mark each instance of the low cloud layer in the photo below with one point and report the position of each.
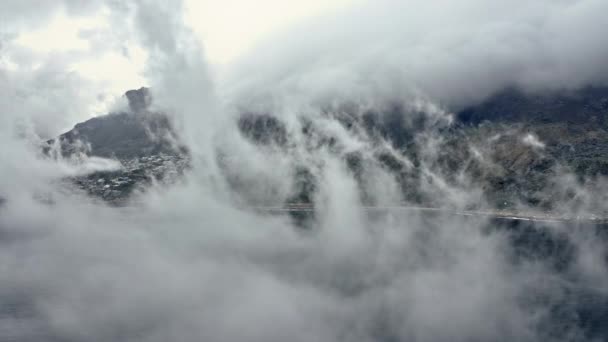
(194, 261)
(455, 53)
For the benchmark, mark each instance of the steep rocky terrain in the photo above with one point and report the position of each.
(572, 125)
(535, 138)
(513, 147)
(135, 174)
(136, 133)
(143, 141)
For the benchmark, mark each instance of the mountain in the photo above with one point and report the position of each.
(534, 137)
(142, 140)
(513, 147)
(137, 133)
(572, 125)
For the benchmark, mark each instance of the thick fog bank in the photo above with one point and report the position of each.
(194, 261)
(455, 53)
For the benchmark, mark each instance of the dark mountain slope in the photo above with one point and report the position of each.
(143, 141)
(137, 133)
(583, 106)
(513, 146)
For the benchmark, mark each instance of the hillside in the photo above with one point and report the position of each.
(143, 141)
(513, 148)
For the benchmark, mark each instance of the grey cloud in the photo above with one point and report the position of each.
(46, 101)
(192, 263)
(456, 53)
(17, 15)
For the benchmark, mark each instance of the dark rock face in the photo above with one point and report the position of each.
(139, 100)
(573, 126)
(123, 135)
(510, 146)
(143, 141)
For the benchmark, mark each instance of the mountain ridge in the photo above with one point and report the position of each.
(511, 146)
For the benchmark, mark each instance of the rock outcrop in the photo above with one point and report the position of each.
(143, 141)
(509, 146)
(133, 134)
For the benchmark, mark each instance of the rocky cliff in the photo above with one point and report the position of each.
(513, 146)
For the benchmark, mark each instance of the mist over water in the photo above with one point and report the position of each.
(196, 261)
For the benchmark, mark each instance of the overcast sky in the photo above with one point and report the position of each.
(226, 28)
(454, 53)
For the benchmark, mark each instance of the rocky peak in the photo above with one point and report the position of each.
(125, 135)
(139, 99)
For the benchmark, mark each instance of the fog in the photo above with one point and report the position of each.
(455, 53)
(195, 261)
